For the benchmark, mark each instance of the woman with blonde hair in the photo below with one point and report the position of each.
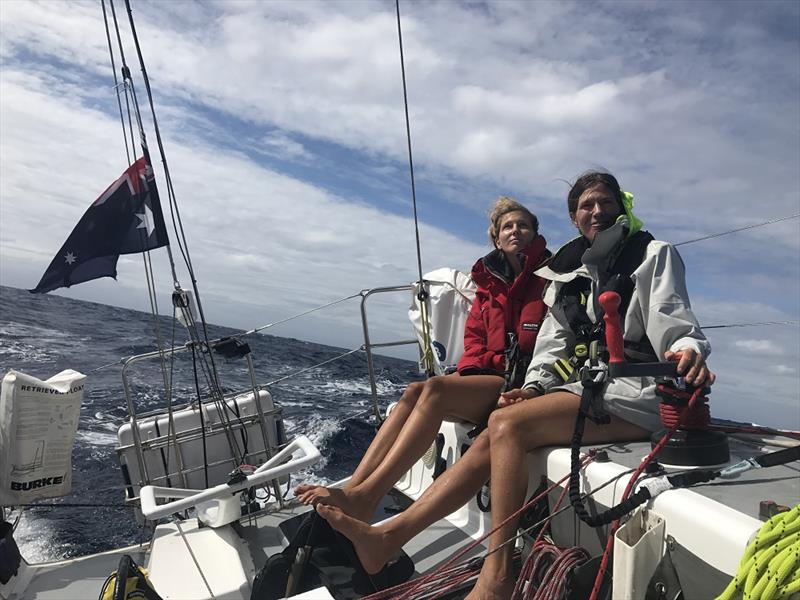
(507, 308)
(543, 410)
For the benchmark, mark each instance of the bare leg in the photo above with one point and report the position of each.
(384, 439)
(513, 432)
(468, 398)
(375, 545)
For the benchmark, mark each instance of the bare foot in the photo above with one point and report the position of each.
(490, 587)
(308, 493)
(350, 502)
(371, 547)
(303, 488)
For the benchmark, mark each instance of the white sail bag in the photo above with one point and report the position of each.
(38, 421)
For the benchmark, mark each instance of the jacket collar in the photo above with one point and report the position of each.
(495, 265)
(578, 256)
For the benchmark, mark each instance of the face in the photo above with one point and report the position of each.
(597, 210)
(514, 232)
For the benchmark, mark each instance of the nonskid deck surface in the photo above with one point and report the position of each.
(780, 484)
(75, 578)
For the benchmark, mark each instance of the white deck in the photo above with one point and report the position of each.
(707, 536)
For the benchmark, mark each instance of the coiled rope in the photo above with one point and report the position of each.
(770, 567)
(545, 572)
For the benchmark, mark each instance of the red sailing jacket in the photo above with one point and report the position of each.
(502, 305)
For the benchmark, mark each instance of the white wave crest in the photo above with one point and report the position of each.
(35, 537)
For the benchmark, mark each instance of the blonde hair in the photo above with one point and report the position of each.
(502, 206)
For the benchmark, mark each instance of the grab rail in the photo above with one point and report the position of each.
(365, 294)
(270, 470)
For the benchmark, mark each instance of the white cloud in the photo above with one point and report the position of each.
(687, 105)
(269, 242)
(766, 347)
(281, 145)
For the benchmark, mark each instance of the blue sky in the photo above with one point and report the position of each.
(284, 128)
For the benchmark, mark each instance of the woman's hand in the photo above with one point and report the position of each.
(692, 367)
(513, 396)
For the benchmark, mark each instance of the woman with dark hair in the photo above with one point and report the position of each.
(657, 319)
(508, 303)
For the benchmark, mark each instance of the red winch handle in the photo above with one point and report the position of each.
(617, 366)
(610, 302)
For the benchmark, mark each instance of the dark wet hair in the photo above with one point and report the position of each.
(588, 180)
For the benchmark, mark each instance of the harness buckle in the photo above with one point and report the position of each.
(592, 379)
(594, 376)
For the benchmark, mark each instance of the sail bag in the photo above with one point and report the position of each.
(450, 296)
(38, 420)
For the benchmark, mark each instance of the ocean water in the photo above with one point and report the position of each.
(44, 334)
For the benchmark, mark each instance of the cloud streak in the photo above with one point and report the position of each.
(285, 133)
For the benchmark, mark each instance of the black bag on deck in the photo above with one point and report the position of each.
(330, 561)
(10, 557)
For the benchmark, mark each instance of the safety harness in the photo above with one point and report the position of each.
(574, 296)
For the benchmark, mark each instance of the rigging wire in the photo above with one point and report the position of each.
(715, 235)
(789, 322)
(427, 356)
(176, 218)
(146, 257)
(127, 74)
(209, 370)
(302, 314)
(215, 387)
(116, 81)
(126, 89)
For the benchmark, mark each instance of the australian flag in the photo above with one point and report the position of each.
(125, 219)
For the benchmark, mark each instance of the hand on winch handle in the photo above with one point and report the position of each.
(692, 366)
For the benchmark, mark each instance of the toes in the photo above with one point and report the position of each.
(328, 512)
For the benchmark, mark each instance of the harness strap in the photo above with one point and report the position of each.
(574, 295)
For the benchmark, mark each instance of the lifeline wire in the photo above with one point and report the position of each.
(325, 362)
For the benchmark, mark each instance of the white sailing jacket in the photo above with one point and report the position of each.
(659, 310)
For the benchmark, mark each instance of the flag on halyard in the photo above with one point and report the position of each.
(125, 219)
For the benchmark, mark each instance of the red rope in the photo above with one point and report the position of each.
(546, 568)
(410, 587)
(697, 418)
(631, 482)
